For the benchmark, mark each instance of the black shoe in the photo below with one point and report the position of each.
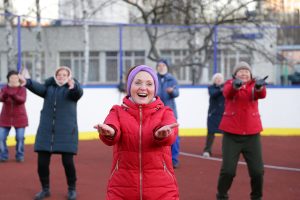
(175, 165)
(42, 194)
(20, 160)
(72, 195)
(222, 197)
(3, 160)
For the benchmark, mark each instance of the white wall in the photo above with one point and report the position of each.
(281, 108)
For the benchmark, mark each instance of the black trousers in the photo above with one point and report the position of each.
(250, 147)
(68, 163)
(209, 142)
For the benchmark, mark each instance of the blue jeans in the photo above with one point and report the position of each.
(175, 151)
(4, 131)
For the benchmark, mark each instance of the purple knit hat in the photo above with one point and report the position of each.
(137, 70)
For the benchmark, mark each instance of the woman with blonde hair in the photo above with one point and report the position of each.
(58, 130)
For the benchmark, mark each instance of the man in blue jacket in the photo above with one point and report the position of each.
(168, 91)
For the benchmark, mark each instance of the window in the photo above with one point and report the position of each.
(132, 58)
(175, 57)
(75, 60)
(112, 71)
(226, 59)
(230, 59)
(28, 61)
(106, 71)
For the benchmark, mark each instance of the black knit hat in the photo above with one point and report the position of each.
(164, 61)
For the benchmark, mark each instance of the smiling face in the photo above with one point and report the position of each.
(62, 76)
(244, 75)
(13, 81)
(142, 88)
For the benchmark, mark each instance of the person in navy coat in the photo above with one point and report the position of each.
(215, 111)
(58, 130)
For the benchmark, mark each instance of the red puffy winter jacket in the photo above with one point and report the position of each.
(13, 113)
(241, 115)
(142, 165)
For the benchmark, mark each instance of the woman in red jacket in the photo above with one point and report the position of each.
(13, 114)
(141, 130)
(242, 126)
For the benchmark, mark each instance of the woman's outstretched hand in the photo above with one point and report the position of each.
(22, 80)
(71, 83)
(165, 131)
(105, 130)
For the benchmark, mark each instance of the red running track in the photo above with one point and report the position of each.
(197, 177)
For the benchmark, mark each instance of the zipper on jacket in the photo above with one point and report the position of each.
(140, 152)
(167, 170)
(53, 121)
(115, 169)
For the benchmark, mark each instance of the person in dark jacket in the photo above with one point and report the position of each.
(58, 130)
(242, 125)
(13, 114)
(141, 131)
(215, 111)
(168, 90)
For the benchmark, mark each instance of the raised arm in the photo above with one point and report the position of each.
(35, 87)
(75, 90)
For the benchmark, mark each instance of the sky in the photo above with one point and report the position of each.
(49, 8)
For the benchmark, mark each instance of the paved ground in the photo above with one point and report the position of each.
(197, 177)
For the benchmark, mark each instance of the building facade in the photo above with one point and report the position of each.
(113, 49)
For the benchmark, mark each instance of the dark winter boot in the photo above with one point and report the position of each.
(72, 194)
(71, 188)
(42, 194)
(222, 197)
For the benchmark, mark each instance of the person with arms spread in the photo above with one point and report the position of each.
(141, 131)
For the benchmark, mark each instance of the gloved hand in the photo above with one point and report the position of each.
(221, 87)
(4, 93)
(259, 83)
(237, 83)
(5, 96)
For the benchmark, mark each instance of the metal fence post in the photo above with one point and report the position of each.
(215, 49)
(19, 66)
(121, 53)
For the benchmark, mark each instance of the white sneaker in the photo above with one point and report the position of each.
(206, 155)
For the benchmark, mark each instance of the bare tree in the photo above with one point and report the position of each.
(11, 51)
(86, 42)
(88, 9)
(201, 20)
(38, 47)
